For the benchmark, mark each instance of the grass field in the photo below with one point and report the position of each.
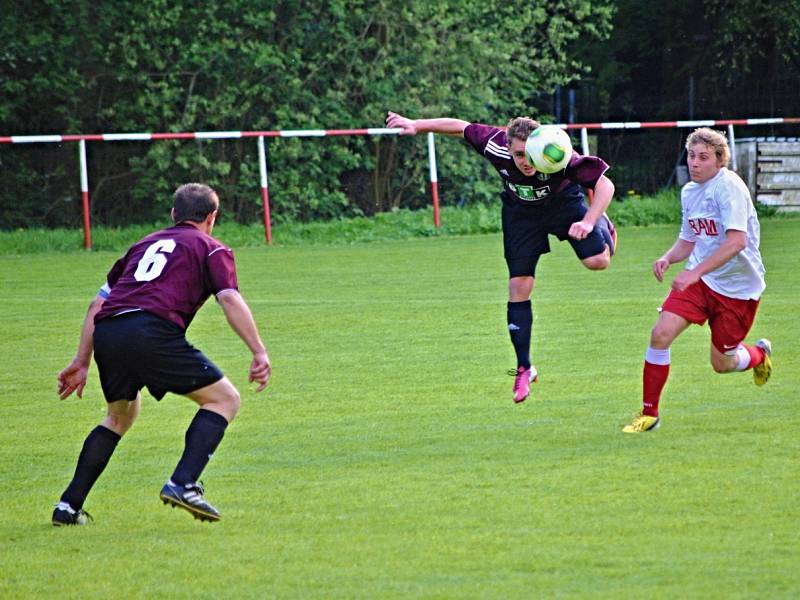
(386, 459)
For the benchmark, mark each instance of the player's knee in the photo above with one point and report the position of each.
(660, 337)
(520, 288)
(232, 401)
(597, 262)
(119, 423)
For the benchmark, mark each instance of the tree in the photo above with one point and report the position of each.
(74, 66)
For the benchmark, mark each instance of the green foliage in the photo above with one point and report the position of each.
(267, 65)
(729, 50)
(753, 35)
(386, 459)
(397, 224)
(632, 209)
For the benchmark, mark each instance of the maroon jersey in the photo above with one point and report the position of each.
(492, 144)
(169, 273)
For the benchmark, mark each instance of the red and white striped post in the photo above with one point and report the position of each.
(262, 165)
(216, 135)
(87, 226)
(434, 180)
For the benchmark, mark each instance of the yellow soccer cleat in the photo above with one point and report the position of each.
(762, 372)
(641, 424)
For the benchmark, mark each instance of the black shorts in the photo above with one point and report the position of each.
(139, 349)
(526, 227)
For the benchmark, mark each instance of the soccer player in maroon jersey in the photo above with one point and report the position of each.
(136, 328)
(535, 205)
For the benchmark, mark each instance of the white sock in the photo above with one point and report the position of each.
(656, 356)
(743, 356)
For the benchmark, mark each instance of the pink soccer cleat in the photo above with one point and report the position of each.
(522, 382)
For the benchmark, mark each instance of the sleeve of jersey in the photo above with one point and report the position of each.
(221, 270)
(686, 232)
(478, 135)
(113, 276)
(586, 170)
(733, 204)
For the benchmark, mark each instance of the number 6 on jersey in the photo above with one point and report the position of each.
(153, 261)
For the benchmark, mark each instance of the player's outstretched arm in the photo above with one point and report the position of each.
(414, 126)
(240, 318)
(73, 377)
(679, 251)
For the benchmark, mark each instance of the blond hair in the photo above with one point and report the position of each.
(520, 128)
(714, 140)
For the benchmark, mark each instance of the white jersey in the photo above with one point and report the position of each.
(709, 210)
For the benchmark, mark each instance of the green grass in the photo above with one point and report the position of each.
(386, 459)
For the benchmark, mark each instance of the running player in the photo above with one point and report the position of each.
(535, 205)
(722, 281)
(136, 328)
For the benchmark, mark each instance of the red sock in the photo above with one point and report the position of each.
(653, 379)
(756, 355)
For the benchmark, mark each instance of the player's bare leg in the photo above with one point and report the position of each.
(757, 357)
(122, 414)
(220, 397)
(723, 363)
(598, 262)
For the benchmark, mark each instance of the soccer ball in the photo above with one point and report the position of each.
(548, 149)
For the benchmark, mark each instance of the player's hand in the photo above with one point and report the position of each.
(684, 279)
(260, 370)
(393, 120)
(72, 379)
(660, 267)
(580, 230)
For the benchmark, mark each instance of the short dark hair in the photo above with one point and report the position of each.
(194, 202)
(520, 128)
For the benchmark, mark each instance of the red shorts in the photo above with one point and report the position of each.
(730, 319)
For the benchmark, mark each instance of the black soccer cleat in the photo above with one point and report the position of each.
(190, 498)
(66, 516)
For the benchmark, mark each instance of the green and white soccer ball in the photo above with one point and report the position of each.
(548, 149)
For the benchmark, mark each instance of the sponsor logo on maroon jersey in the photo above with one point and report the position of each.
(701, 226)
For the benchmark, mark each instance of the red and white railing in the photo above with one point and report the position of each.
(287, 133)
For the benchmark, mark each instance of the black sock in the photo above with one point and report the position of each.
(95, 454)
(520, 323)
(202, 438)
